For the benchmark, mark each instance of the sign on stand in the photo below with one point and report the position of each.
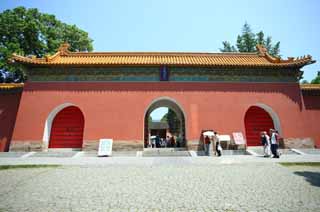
(105, 147)
(238, 138)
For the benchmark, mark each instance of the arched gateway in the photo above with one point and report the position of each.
(259, 118)
(113, 88)
(176, 108)
(64, 127)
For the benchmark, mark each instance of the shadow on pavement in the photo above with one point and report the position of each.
(312, 177)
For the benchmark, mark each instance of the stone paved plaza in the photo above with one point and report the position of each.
(160, 184)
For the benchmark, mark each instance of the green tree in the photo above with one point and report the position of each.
(29, 32)
(247, 41)
(149, 120)
(172, 120)
(316, 80)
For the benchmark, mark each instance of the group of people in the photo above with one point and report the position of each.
(216, 143)
(270, 143)
(169, 141)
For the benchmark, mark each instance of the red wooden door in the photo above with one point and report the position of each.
(67, 129)
(256, 120)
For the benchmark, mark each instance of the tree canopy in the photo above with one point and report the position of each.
(316, 80)
(247, 41)
(172, 120)
(29, 32)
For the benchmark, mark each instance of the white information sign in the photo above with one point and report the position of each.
(105, 147)
(224, 138)
(238, 138)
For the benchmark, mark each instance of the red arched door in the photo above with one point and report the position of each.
(67, 129)
(256, 120)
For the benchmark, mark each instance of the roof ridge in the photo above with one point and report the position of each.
(259, 58)
(133, 53)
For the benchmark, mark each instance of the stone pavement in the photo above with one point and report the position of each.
(229, 183)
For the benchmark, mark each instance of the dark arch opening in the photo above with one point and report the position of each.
(256, 120)
(178, 132)
(67, 128)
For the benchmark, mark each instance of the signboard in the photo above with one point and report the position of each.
(238, 138)
(224, 138)
(105, 147)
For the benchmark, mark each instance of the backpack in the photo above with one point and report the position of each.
(264, 140)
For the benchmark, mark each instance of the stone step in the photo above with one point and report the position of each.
(165, 153)
(310, 151)
(54, 154)
(259, 150)
(12, 154)
(226, 152)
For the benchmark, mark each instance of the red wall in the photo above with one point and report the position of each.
(116, 110)
(9, 103)
(312, 116)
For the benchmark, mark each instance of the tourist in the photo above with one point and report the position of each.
(178, 142)
(218, 144)
(162, 142)
(274, 143)
(207, 145)
(168, 144)
(153, 142)
(265, 140)
(173, 141)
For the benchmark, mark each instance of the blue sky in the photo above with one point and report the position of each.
(193, 26)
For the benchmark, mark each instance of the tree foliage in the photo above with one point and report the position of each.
(29, 32)
(316, 80)
(247, 41)
(173, 121)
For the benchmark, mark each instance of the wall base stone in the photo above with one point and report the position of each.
(26, 146)
(195, 145)
(118, 145)
(299, 143)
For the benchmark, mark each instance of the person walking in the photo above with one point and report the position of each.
(265, 141)
(274, 143)
(218, 144)
(207, 145)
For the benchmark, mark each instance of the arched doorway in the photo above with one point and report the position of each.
(67, 128)
(259, 118)
(175, 128)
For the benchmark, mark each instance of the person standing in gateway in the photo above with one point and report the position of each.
(207, 145)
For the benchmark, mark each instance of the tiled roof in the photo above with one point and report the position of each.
(310, 89)
(259, 59)
(10, 86)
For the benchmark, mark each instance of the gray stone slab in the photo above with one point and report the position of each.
(166, 154)
(54, 154)
(12, 154)
(181, 186)
(310, 151)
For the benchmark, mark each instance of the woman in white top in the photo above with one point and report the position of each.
(266, 144)
(274, 143)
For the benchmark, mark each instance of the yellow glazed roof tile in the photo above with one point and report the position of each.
(259, 59)
(9, 86)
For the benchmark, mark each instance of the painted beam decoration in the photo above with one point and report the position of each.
(164, 73)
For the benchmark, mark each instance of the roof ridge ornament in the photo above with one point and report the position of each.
(64, 49)
(261, 50)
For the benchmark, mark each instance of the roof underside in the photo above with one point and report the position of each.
(259, 59)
